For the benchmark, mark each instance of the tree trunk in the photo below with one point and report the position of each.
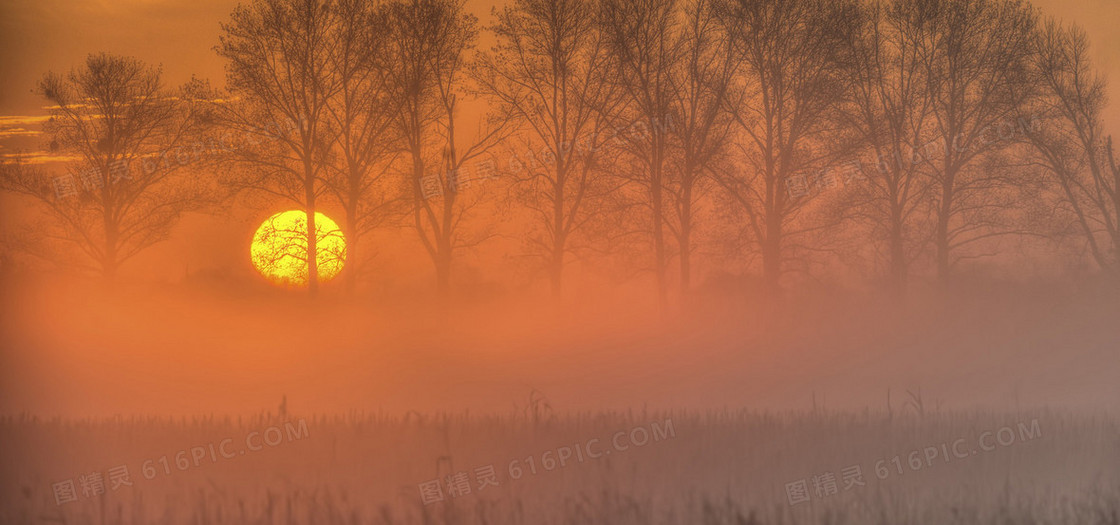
(445, 249)
(1114, 263)
(556, 275)
(443, 274)
(350, 264)
(109, 262)
(312, 237)
(686, 238)
(658, 227)
(941, 236)
(559, 237)
(898, 274)
(772, 258)
(556, 266)
(898, 271)
(109, 271)
(772, 264)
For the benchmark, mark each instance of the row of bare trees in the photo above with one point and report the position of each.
(970, 109)
(658, 126)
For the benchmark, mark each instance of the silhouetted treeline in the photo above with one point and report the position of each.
(897, 139)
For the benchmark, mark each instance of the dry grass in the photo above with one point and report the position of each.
(721, 468)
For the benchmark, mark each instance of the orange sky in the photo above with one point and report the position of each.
(41, 35)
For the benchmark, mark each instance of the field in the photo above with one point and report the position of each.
(727, 467)
(999, 410)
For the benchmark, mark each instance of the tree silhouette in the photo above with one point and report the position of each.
(128, 183)
(429, 42)
(975, 53)
(967, 123)
(278, 55)
(548, 74)
(1070, 142)
(700, 123)
(642, 35)
(361, 111)
(792, 80)
(890, 111)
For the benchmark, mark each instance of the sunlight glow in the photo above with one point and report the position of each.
(279, 249)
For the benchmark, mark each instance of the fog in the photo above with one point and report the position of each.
(194, 349)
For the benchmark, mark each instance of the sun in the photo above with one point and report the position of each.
(279, 249)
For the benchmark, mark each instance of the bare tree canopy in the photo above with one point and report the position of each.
(975, 53)
(700, 123)
(890, 110)
(430, 41)
(278, 54)
(642, 35)
(361, 113)
(126, 186)
(792, 79)
(549, 74)
(1070, 144)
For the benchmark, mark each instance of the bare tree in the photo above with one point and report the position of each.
(642, 35)
(792, 83)
(975, 53)
(126, 188)
(361, 112)
(548, 74)
(699, 123)
(891, 112)
(279, 54)
(429, 43)
(1070, 144)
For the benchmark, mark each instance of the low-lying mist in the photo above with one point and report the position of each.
(202, 348)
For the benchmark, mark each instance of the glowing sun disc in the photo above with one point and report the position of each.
(279, 249)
